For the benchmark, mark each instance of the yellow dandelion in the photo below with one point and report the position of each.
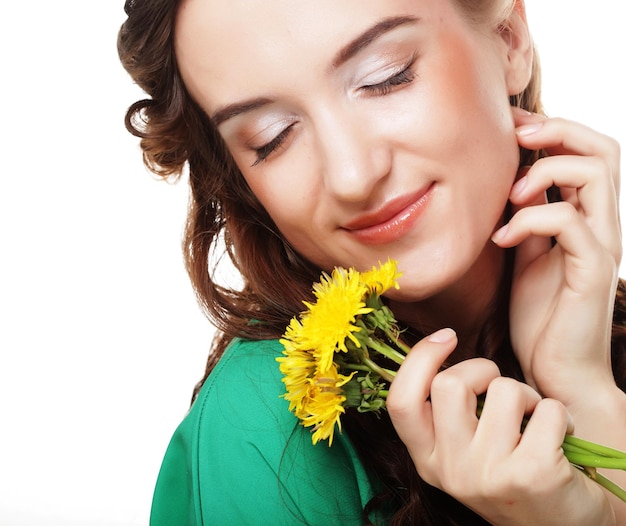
(298, 368)
(314, 386)
(297, 365)
(315, 398)
(292, 338)
(331, 319)
(324, 405)
(381, 279)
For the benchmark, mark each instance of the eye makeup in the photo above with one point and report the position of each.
(264, 151)
(406, 75)
(383, 66)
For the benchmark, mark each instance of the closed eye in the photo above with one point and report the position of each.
(405, 76)
(264, 151)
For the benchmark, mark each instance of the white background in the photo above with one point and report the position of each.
(101, 341)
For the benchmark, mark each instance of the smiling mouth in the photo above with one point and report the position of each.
(392, 221)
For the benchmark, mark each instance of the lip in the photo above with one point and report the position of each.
(392, 220)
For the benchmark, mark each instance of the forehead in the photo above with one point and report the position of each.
(224, 45)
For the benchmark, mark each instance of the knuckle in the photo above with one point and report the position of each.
(490, 366)
(611, 157)
(567, 211)
(398, 407)
(603, 170)
(447, 382)
(503, 387)
(503, 384)
(552, 410)
(454, 380)
(613, 148)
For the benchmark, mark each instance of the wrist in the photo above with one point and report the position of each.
(598, 414)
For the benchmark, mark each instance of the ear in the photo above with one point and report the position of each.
(519, 49)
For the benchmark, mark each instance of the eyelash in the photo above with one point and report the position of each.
(264, 151)
(406, 76)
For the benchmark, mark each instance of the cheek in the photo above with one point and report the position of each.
(469, 87)
(285, 197)
(470, 114)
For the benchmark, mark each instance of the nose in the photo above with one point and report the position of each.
(354, 157)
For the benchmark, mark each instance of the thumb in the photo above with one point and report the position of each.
(408, 401)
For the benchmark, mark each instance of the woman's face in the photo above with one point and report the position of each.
(368, 129)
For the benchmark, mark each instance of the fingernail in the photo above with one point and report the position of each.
(528, 129)
(499, 234)
(442, 336)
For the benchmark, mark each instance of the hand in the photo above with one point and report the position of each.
(562, 295)
(507, 478)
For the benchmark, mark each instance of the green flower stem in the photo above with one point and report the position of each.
(385, 350)
(374, 367)
(594, 448)
(356, 367)
(397, 341)
(574, 449)
(367, 369)
(589, 460)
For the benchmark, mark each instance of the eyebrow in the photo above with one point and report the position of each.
(345, 53)
(232, 110)
(368, 36)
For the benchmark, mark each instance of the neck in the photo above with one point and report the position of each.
(465, 306)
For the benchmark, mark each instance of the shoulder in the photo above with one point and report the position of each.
(245, 379)
(247, 460)
(240, 411)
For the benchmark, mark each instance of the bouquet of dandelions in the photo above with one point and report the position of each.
(344, 350)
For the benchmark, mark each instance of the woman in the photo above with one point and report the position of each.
(345, 133)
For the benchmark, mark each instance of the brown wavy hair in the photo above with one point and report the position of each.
(226, 219)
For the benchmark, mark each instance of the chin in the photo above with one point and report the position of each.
(416, 286)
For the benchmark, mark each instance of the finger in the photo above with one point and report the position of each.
(558, 220)
(587, 265)
(523, 117)
(506, 403)
(453, 394)
(546, 429)
(588, 176)
(585, 185)
(559, 136)
(408, 402)
(533, 246)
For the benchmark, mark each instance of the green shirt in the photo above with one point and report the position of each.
(240, 456)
